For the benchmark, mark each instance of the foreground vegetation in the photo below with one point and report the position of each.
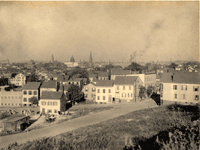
(172, 127)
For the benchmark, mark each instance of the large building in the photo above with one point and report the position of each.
(18, 79)
(31, 89)
(10, 98)
(71, 63)
(52, 103)
(105, 92)
(89, 91)
(127, 88)
(180, 87)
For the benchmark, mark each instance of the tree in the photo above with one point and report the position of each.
(134, 67)
(142, 92)
(34, 100)
(74, 93)
(33, 78)
(150, 90)
(173, 65)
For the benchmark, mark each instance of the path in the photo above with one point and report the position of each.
(74, 123)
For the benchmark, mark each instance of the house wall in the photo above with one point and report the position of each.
(150, 80)
(89, 91)
(168, 92)
(142, 77)
(105, 95)
(26, 96)
(127, 93)
(18, 80)
(10, 98)
(48, 107)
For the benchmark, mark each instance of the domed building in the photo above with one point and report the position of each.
(71, 63)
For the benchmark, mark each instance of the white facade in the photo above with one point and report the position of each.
(18, 80)
(49, 106)
(71, 64)
(105, 94)
(27, 94)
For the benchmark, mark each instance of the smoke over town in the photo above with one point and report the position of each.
(110, 30)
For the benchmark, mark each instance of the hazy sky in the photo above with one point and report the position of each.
(110, 30)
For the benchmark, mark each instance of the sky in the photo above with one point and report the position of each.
(149, 31)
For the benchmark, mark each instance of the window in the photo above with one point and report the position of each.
(49, 111)
(123, 87)
(184, 87)
(55, 111)
(86, 89)
(8, 97)
(43, 103)
(129, 87)
(93, 89)
(12, 97)
(196, 97)
(195, 88)
(123, 94)
(98, 98)
(175, 87)
(86, 95)
(25, 99)
(16, 104)
(5, 103)
(175, 96)
(30, 92)
(8, 103)
(98, 90)
(49, 103)
(25, 92)
(29, 104)
(104, 91)
(24, 104)
(29, 99)
(183, 96)
(54, 103)
(109, 90)
(5, 97)
(117, 87)
(104, 98)
(35, 93)
(2, 104)
(1, 97)
(91, 95)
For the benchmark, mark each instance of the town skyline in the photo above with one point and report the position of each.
(149, 31)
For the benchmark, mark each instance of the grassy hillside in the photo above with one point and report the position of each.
(160, 128)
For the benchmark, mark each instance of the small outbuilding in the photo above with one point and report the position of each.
(16, 123)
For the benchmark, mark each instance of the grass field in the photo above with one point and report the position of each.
(159, 128)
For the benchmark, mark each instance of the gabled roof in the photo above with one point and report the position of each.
(104, 83)
(76, 79)
(51, 95)
(31, 86)
(125, 80)
(120, 72)
(181, 77)
(92, 75)
(49, 84)
(103, 74)
(66, 87)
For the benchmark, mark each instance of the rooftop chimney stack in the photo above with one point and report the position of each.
(172, 77)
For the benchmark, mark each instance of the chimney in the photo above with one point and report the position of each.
(172, 77)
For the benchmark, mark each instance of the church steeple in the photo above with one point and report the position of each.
(91, 60)
(52, 58)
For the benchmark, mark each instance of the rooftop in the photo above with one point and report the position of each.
(104, 83)
(181, 77)
(31, 86)
(125, 80)
(14, 118)
(49, 84)
(51, 95)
